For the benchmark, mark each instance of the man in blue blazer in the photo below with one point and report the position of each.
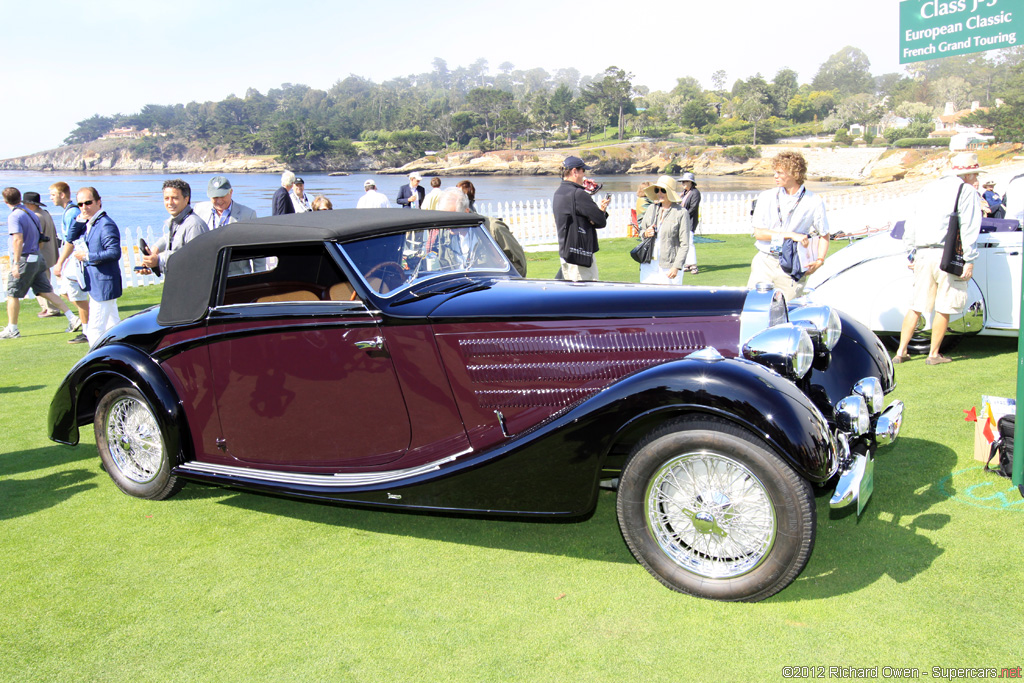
(411, 196)
(101, 263)
(282, 202)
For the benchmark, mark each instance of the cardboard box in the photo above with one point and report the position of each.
(1000, 406)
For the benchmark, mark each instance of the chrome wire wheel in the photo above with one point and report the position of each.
(134, 440)
(710, 514)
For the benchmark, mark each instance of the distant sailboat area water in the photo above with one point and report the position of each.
(136, 200)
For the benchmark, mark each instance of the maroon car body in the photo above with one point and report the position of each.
(395, 359)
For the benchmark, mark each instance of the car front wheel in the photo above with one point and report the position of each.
(710, 511)
(132, 446)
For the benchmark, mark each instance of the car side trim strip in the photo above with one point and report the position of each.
(306, 479)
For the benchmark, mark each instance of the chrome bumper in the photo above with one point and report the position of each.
(857, 481)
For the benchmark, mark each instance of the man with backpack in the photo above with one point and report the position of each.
(28, 269)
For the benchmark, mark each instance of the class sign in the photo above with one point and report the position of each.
(930, 29)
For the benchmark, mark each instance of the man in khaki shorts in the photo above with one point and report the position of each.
(924, 236)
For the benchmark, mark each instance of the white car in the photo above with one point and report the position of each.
(870, 281)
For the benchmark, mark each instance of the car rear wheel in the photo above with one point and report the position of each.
(132, 446)
(710, 511)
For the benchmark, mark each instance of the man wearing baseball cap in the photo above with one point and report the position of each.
(372, 199)
(577, 219)
(222, 210)
(924, 236)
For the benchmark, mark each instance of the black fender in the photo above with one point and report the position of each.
(859, 353)
(740, 391)
(554, 468)
(75, 402)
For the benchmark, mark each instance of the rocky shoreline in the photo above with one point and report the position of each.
(855, 165)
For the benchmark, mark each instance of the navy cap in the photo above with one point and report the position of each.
(574, 162)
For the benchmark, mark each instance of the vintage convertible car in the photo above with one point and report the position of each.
(394, 359)
(870, 281)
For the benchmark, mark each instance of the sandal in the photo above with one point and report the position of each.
(938, 360)
(900, 359)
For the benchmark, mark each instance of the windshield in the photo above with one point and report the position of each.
(391, 263)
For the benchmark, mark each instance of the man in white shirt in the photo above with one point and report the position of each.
(924, 235)
(300, 202)
(789, 212)
(372, 199)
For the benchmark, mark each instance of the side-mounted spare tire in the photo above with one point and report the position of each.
(708, 509)
(132, 446)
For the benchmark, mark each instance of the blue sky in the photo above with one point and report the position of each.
(115, 57)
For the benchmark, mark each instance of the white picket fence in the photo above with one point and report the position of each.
(533, 223)
(721, 213)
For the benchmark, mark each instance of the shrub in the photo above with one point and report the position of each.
(741, 152)
(919, 142)
(842, 137)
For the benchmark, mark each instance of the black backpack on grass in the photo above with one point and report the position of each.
(1004, 447)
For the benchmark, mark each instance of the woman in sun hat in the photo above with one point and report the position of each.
(666, 219)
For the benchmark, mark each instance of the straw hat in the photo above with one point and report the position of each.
(964, 163)
(667, 183)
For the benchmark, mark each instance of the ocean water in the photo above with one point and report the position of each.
(136, 199)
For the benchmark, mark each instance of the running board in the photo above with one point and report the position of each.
(342, 479)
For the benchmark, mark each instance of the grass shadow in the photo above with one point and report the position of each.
(23, 496)
(851, 554)
(15, 390)
(19, 462)
(594, 538)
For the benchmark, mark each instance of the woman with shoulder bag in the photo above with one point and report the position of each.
(666, 219)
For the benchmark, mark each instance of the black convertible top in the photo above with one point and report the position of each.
(189, 279)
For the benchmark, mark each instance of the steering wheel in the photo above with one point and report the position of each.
(389, 275)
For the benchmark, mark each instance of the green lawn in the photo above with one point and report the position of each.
(217, 585)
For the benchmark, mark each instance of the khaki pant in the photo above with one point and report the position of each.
(575, 273)
(934, 287)
(766, 268)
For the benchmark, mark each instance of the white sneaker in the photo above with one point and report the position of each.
(10, 332)
(74, 325)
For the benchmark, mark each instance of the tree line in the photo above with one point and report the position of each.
(473, 107)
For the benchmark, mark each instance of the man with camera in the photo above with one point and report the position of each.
(577, 219)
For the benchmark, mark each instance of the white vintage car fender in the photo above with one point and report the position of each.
(870, 280)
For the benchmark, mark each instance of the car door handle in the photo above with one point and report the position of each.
(375, 343)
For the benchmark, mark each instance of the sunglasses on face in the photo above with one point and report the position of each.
(659, 190)
(88, 203)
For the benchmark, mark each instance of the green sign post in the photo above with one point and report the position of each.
(930, 29)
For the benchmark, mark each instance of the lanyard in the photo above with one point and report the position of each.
(224, 217)
(778, 206)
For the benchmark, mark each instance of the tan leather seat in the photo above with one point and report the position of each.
(297, 295)
(342, 291)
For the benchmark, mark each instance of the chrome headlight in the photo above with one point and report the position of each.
(852, 415)
(763, 307)
(871, 389)
(824, 318)
(787, 349)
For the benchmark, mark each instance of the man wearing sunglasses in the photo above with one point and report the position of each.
(577, 219)
(101, 269)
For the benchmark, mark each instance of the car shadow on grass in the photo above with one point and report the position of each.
(887, 540)
(594, 538)
(23, 496)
